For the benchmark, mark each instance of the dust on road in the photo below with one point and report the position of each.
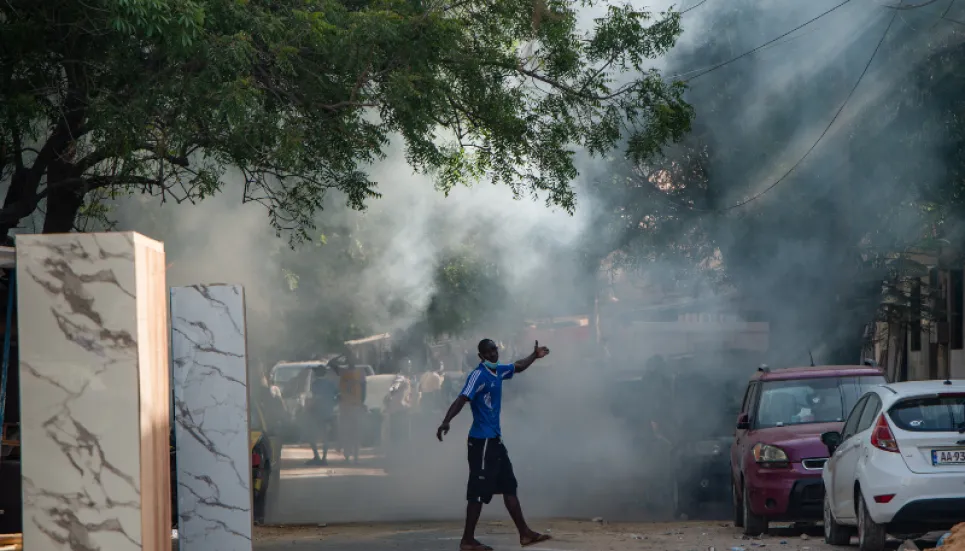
(569, 535)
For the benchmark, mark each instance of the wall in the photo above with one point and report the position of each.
(885, 348)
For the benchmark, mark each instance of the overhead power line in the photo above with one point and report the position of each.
(695, 6)
(713, 68)
(826, 129)
(948, 8)
(767, 47)
(944, 15)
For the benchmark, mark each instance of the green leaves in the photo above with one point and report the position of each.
(300, 95)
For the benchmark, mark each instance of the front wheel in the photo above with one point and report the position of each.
(871, 535)
(834, 533)
(754, 525)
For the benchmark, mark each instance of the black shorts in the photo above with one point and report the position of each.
(490, 471)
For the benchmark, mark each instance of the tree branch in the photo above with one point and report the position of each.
(12, 214)
(97, 157)
(581, 93)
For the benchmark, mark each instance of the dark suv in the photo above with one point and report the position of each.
(777, 455)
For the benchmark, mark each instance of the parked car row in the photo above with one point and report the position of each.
(841, 445)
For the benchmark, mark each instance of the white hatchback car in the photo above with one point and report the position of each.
(898, 466)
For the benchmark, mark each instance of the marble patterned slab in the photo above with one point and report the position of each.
(93, 380)
(210, 381)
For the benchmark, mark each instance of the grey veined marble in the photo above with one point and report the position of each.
(210, 384)
(94, 378)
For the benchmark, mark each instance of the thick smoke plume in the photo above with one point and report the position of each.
(791, 251)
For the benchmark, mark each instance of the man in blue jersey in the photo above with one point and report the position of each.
(490, 471)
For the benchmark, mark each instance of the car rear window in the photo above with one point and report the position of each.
(804, 401)
(941, 413)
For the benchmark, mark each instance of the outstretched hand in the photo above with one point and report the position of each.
(540, 351)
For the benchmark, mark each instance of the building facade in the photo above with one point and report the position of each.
(920, 334)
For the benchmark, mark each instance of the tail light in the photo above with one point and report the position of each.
(882, 437)
(255, 460)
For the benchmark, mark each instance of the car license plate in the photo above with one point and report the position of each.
(948, 457)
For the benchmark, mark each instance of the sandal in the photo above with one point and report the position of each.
(538, 538)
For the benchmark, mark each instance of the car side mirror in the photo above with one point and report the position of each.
(743, 422)
(832, 440)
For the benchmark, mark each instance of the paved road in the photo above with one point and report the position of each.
(395, 506)
(569, 536)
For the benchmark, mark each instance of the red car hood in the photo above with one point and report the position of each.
(798, 441)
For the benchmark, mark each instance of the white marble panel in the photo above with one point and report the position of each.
(210, 381)
(89, 309)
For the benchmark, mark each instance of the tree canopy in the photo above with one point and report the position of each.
(106, 97)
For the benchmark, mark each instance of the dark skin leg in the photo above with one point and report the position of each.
(516, 513)
(473, 510)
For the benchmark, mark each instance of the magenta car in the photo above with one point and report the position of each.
(777, 455)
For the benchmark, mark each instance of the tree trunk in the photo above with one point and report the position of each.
(14, 206)
(62, 209)
(63, 202)
(55, 161)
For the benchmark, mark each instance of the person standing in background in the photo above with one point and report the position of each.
(430, 388)
(351, 405)
(320, 412)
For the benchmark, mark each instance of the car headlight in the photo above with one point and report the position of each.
(765, 453)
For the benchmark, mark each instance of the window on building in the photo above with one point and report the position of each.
(915, 325)
(956, 290)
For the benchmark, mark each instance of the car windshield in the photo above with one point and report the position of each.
(802, 401)
(284, 373)
(930, 414)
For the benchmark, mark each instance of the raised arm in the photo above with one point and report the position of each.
(538, 352)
